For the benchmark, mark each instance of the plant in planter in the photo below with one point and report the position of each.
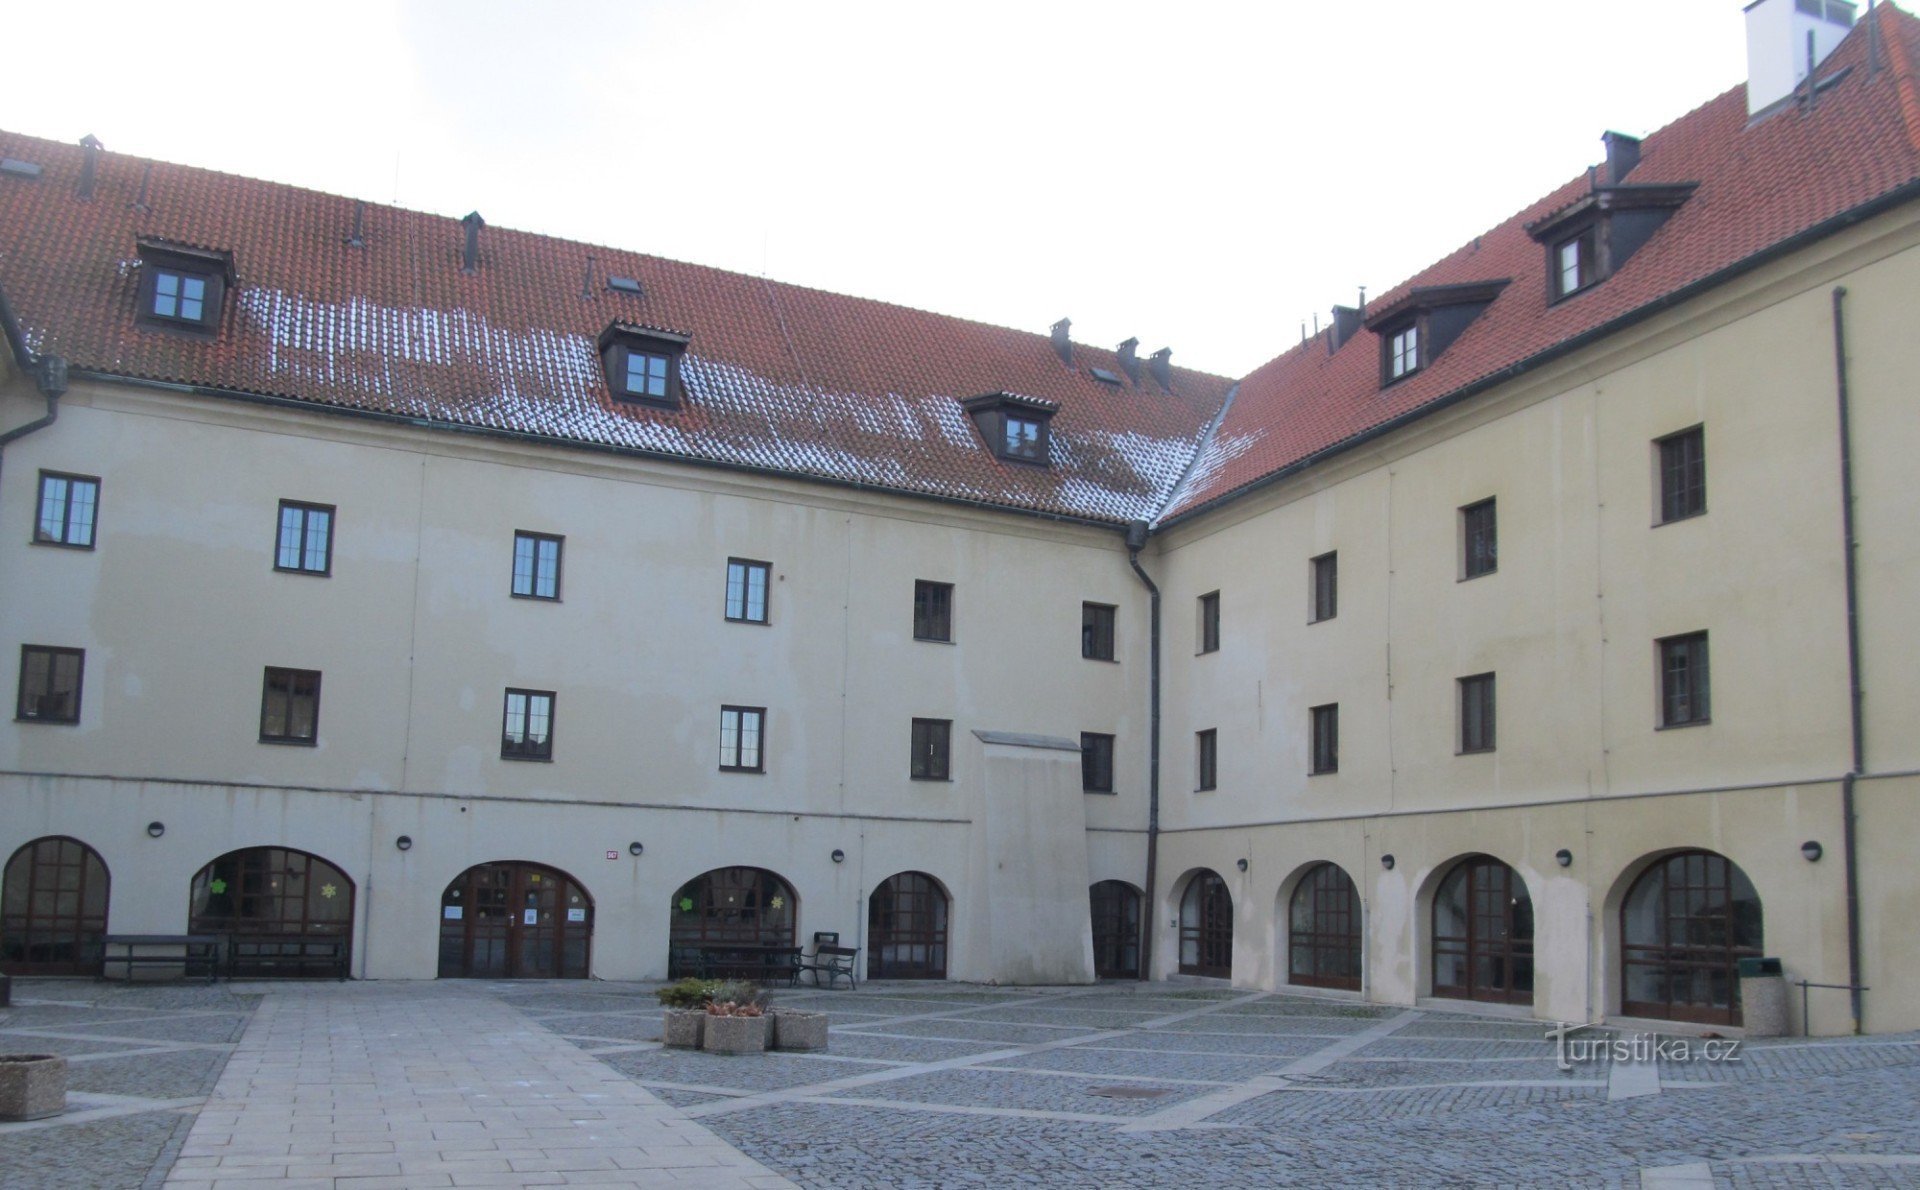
(734, 1028)
(685, 1016)
(32, 1086)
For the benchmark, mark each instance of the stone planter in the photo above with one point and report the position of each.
(32, 1086)
(735, 1035)
(794, 1030)
(681, 1027)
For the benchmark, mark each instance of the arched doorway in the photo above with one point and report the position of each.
(1483, 933)
(728, 907)
(1684, 926)
(1206, 927)
(907, 928)
(513, 920)
(53, 908)
(1116, 930)
(271, 894)
(1323, 930)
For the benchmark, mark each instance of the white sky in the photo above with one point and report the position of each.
(1204, 176)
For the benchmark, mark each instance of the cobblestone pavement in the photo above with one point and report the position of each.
(1160, 1085)
(141, 1061)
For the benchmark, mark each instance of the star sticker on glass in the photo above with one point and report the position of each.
(216, 886)
(777, 903)
(329, 891)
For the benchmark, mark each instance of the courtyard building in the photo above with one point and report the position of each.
(1539, 635)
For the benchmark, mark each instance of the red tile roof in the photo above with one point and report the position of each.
(778, 377)
(1759, 187)
(797, 381)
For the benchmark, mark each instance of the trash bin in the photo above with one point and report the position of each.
(1763, 998)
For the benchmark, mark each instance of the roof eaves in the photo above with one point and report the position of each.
(1905, 192)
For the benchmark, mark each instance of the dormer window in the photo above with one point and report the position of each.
(183, 287)
(1589, 240)
(1403, 351)
(643, 364)
(1416, 328)
(1014, 427)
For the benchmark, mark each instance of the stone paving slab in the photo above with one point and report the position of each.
(353, 1085)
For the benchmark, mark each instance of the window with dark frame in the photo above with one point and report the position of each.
(50, 684)
(1325, 722)
(536, 565)
(1573, 264)
(1210, 622)
(526, 731)
(177, 296)
(1683, 474)
(747, 590)
(1206, 757)
(304, 544)
(1684, 687)
(1479, 540)
(1096, 631)
(743, 732)
(69, 506)
(642, 364)
(1096, 762)
(1403, 352)
(932, 739)
(290, 706)
(1023, 437)
(1326, 587)
(932, 611)
(646, 375)
(1476, 713)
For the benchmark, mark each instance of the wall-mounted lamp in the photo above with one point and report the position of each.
(1812, 850)
(1386, 861)
(156, 829)
(1241, 864)
(635, 848)
(839, 856)
(1563, 857)
(404, 842)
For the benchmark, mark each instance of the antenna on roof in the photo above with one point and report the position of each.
(1303, 330)
(359, 237)
(1363, 300)
(1593, 180)
(146, 179)
(92, 145)
(586, 280)
(1873, 42)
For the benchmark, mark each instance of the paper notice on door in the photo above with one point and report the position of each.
(576, 915)
(452, 912)
(530, 917)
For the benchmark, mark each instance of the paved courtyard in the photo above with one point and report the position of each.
(450, 1084)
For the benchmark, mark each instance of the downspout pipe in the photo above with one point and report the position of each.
(1149, 909)
(1850, 545)
(49, 373)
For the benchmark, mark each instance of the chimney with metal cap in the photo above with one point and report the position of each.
(473, 223)
(89, 164)
(1161, 362)
(1623, 153)
(1346, 324)
(1062, 345)
(1129, 359)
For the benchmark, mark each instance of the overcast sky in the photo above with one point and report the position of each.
(1204, 176)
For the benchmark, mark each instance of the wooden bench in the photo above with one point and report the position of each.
(762, 964)
(272, 955)
(833, 962)
(187, 954)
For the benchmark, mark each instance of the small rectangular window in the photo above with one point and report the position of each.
(1476, 713)
(1022, 437)
(304, 543)
(1210, 622)
(1573, 264)
(1096, 631)
(743, 739)
(1207, 757)
(527, 725)
(69, 505)
(290, 706)
(932, 611)
(747, 590)
(931, 739)
(1325, 721)
(1684, 687)
(1683, 474)
(181, 297)
(1479, 540)
(646, 376)
(1096, 762)
(50, 684)
(536, 566)
(1403, 352)
(1326, 587)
